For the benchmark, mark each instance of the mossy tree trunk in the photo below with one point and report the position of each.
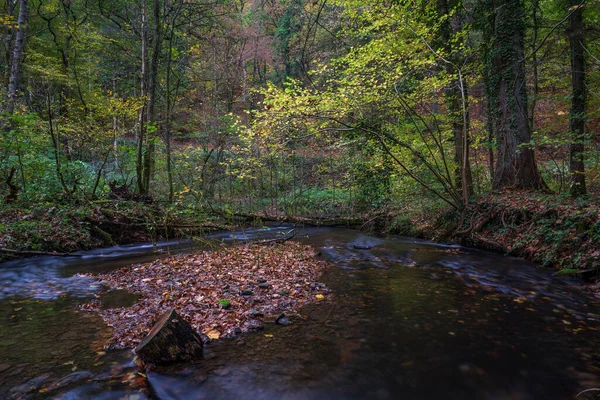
(515, 167)
(577, 117)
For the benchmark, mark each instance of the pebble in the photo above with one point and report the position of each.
(283, 321)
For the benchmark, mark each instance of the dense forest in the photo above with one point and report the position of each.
(300, 199)
(460, 115)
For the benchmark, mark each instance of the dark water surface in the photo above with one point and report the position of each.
(410, 320)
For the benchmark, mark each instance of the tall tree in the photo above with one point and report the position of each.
(456, 93)
(507, 96)
(576, 35)
(142, 118)
(151, 108)
(17, 57)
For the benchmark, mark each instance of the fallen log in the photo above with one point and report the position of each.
(171, 340)
(311, 221)
(105, 236)
(173, 226)
(37, 253)
(277, 240)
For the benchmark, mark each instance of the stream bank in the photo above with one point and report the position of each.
(557, 232)
(47, 229)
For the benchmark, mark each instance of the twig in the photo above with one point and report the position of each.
(587, 390)
(276, 240)
(572, 11)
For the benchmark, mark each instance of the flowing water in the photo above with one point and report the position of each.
(410, 320)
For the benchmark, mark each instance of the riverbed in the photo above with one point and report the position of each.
(409, 319)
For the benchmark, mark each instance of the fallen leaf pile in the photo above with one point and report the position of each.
(259, 283)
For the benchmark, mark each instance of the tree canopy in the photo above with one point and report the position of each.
(294, 106)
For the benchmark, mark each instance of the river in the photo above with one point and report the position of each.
(410, 320)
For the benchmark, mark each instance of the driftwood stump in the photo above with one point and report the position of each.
(171, 340)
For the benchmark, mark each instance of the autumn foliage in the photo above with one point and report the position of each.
(260, 282)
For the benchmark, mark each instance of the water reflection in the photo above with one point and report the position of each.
(411, 319)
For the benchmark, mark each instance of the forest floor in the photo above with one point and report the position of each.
(221, 293)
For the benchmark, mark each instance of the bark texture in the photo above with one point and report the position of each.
(577, 117)
(171, 340)
(17, 57)
(515, 167)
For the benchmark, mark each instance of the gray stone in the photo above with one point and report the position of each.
(255, 325)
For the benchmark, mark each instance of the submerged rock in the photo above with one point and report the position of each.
(283, 320)
(255, 325)
(287, 318)
(69, 379)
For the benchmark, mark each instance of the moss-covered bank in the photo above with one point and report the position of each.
(49, 228)
(554, 231)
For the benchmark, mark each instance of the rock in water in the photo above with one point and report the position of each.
(283, 320)
(171, 340)
(287, 318)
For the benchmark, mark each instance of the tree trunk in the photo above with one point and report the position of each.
(13, 193)
(17, 57)
(9, 45)
(139, 166)
(54, 132)
(169, 111)
(515, 162)
(171, 340)
(456, 100)
(534, 61)
(577, 117)
(149, 156)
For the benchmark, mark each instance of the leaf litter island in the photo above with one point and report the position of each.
(220, 293)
